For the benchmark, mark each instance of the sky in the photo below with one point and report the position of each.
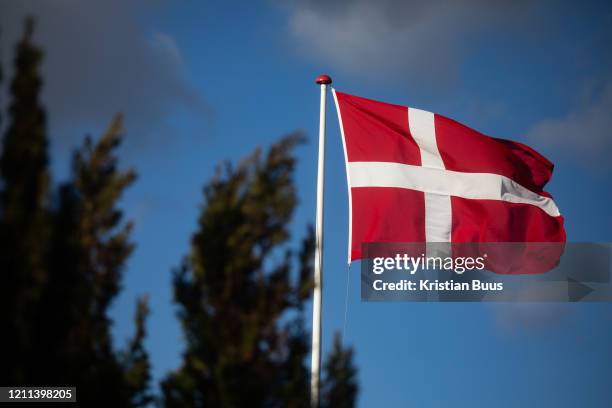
(202, 82)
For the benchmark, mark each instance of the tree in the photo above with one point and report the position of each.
(241, 292)
(23, 216)
(135, 360)
(62, 257)
(340, 386)
(90, 246)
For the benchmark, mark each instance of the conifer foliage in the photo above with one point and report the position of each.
(23, 191)
(241, 292)
(239, 306)
(340, 387)
(62, 254)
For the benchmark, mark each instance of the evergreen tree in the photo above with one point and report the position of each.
(89, 249)
(240, 310)
(135, 360)
(23, 217)
(241, 292)
(340, 386)
(61, 261)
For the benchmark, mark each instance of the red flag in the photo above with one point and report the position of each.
(415, 176)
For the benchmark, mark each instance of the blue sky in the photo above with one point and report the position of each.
(201, 82)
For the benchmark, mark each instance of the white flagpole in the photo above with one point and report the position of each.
(315, 368)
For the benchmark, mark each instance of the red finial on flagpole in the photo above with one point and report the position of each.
(323, 79)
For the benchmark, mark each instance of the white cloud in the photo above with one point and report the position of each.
(412, 40)
(521, 317)
(100, 59)
(584, 134)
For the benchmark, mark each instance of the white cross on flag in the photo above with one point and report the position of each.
(415, 176)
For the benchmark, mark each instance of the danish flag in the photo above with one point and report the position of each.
(416, 176)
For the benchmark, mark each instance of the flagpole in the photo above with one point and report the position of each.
(315, 367)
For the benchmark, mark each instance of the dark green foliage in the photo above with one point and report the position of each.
(89, 249)
(135, 360)
(62, 256)
(240, 310)
(24, 228)
(241, 293)
(340, 386)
